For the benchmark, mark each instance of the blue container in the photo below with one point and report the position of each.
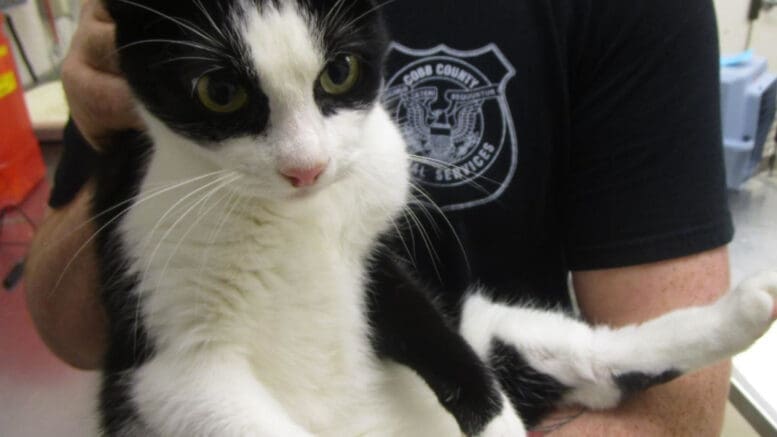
(749, 101)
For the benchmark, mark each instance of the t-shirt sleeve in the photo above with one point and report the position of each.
(645, 179)
(74, 169)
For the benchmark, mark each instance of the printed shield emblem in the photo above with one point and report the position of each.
(453, 113)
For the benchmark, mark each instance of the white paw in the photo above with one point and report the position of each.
(506, 424)
(756, 302)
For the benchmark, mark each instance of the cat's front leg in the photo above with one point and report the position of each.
(545, 359)
(410, 330)
(208, 393)
(506, 424)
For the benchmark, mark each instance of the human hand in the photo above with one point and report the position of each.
(99, 97)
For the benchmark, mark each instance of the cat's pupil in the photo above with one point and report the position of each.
(222, 92)
(339, 70)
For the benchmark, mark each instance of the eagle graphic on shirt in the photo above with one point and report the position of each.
(452, 109)
(447, 134)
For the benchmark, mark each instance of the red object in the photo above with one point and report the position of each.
(21, 164)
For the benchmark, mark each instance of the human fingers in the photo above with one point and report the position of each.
(100, 103)
(99, 98)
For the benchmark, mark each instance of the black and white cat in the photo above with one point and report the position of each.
(244, 272)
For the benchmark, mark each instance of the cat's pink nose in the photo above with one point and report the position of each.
(303, 176)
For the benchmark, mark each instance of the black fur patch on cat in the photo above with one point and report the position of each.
(358, 29)
(532, 393)
(409, 329)
(178, 42)
(634, 382)
(166, 46)
(117, 180)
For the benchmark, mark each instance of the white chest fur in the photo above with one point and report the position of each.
(278, 284)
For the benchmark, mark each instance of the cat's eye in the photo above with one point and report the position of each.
(221, 93)
(340, 75)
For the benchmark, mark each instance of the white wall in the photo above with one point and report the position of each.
(732, 20)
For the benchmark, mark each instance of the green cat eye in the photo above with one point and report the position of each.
(340, 75)
(221, 94)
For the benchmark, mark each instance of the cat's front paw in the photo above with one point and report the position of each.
(506, 424)
(755, 301)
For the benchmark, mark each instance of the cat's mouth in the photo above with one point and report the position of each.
(307, 192)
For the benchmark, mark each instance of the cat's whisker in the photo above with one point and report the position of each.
(471, 183)
(444, 164)
(233, 201)
(419, 205)
(185, 58)
(356, 20)
(411, 227)
(208, 17)
(399, 233)
(172, 41)
(430, 201)
(180, 22)
(424, 204)
(434, 256)
(202, 207)
(194, 224)
(339, 15)
(436, 163)
(224, 175)
(119, 215)
(167, 213)
(414, 221)
(326, 21)
(138, 199)
(153, 255)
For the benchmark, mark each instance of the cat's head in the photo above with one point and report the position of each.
(281, 91)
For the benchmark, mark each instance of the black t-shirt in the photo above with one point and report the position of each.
(555, 135)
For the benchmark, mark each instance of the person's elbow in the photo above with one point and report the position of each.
(61, 281)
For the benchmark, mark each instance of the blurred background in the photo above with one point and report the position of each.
(39, 396)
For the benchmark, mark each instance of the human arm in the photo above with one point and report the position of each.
(98, 95)
(62, 281)
(646, 207)
(690, 405)
(61, 268)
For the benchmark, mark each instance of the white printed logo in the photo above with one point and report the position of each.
(452, 110)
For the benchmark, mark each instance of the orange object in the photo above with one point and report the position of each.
(21, 164)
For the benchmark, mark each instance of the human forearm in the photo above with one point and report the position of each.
(691, 405)
(61, 272)
(61, 280)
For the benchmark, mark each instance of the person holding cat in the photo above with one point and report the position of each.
(581, 137)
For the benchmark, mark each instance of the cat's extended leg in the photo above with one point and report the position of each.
(544, 359)
(208, 393)
(410, 330)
